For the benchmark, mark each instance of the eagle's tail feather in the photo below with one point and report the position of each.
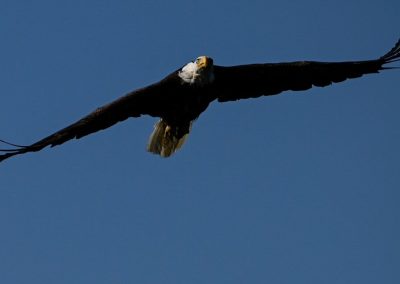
(167, 139)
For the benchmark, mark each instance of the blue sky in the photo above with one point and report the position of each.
(296, 188)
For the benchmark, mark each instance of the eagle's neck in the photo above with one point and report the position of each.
(192, 74)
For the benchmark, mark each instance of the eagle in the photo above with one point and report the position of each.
(183, 95)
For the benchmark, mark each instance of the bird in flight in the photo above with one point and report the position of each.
(183, 95)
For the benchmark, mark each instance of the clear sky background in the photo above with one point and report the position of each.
(297, 188)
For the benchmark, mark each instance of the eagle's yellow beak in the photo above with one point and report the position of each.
(204, 62)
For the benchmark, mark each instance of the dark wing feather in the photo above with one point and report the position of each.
(140, 102)
(255, 80)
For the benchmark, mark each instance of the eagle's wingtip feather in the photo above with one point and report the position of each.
(393, 55)
(8, 155)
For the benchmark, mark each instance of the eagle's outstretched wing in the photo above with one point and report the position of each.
(255, 80)
(140, 102)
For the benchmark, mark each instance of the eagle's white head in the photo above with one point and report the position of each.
(199, 72)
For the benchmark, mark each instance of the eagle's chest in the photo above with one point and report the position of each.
(188, 101)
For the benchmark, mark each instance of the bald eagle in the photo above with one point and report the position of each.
(183, 95)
